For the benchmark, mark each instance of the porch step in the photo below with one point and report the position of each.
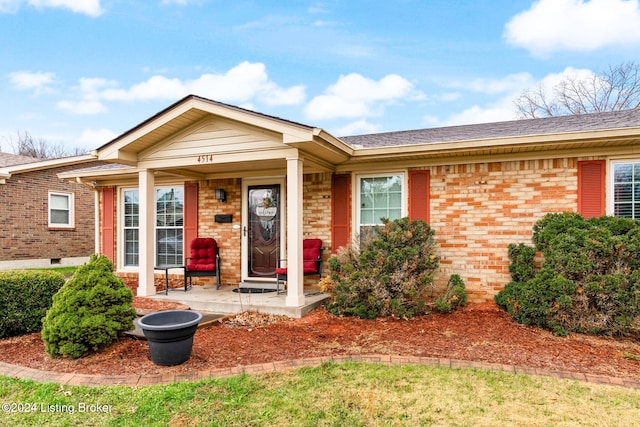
(224, 300)
(259, 285)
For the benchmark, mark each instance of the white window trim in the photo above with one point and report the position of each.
(72, 220)
(155, 220)
(355, 211)
(121, 228)
(609, 177)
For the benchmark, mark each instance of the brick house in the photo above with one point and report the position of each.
(481, 187)
(44, 220)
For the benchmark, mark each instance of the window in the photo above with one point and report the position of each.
(380, 196)
(626, 189)
(131, 224)
(169, 222)
(61, 210)
(169, 225)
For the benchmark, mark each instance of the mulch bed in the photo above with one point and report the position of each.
(478, 332)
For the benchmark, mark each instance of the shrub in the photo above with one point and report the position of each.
(390, 273)
(589, 281)
(455, 295)
(25, 297)
(522, 266)
(89, 311)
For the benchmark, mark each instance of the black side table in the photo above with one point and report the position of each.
(166, 269)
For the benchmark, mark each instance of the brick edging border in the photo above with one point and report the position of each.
(21, 372)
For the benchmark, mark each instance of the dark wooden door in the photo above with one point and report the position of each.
(264, 229)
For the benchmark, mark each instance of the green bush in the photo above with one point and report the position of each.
(390, 273)
(455, 295)
(25, 297)
(589, 280)
(88, 312)
(522, 266)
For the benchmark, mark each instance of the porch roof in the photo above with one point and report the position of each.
(200, 138)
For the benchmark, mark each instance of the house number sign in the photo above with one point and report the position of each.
(205, 158)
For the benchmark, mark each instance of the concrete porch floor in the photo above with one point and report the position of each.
(207, 299)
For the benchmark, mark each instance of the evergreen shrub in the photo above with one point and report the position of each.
(25, 297)
(455, 295)
(589, 281)
(89, 311)
(387, 273)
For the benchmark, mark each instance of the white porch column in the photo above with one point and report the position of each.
(295, 278)
(146, 184)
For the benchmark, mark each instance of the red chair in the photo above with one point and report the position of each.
(204, 260)
(312, 261)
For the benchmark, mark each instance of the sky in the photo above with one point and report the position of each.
(78, 73)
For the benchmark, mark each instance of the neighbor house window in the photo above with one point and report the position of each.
(169, 225)
(169, 221)
(61, 210)
(626, 189)
(131, 224)
(380, 196)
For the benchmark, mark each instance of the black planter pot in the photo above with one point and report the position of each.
(170, 335)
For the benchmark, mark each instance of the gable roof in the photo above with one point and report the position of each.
(498, 130)
(7, 159)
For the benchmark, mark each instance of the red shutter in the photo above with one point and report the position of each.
(108, 221)
(591, 185)
(340, 211)
(190, 215)
(419, 195)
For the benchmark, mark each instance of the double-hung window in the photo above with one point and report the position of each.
(626, 189)
(169, 222)
(379, 196)
(61, 210)
(131, 224)
(169, 225)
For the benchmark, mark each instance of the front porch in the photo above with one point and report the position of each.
(206, 298)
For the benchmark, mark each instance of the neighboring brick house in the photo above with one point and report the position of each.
(44, 220)
(481, 187)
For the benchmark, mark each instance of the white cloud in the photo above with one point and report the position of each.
(504, 108)
(39, 82)
(575, 25)
(517, 81)
(359, 127)
(83, 107)
(87, 7)
(354, 96)
(498, 112)
(242, 84)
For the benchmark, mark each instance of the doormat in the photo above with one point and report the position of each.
(253, 290)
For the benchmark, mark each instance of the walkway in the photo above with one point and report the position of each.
(15, 371)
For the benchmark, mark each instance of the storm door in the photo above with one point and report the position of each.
(263, 226)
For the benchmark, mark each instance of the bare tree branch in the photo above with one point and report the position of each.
(27, 145)
(617, 88)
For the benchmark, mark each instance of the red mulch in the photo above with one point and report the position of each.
(481, 332)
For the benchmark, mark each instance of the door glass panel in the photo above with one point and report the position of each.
(263, 230)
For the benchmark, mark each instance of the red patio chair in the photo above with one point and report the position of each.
(312, 261)
(204, 260)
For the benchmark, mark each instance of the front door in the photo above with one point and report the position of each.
(263, 225)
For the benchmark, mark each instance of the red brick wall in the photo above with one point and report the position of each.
(477, 210)
(24, 230)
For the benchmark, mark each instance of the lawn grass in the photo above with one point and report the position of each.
(349, 394)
